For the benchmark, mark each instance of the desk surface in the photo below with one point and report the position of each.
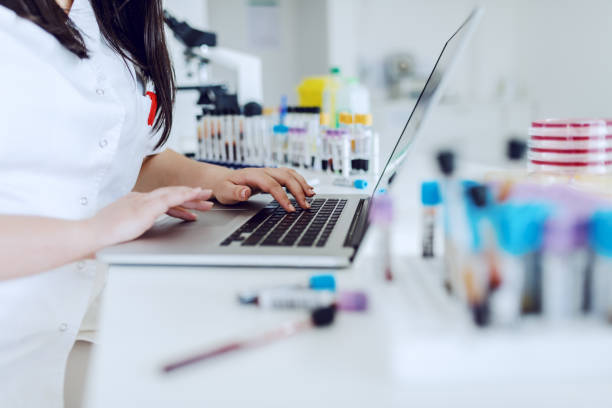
(412, 343)
(414, 346)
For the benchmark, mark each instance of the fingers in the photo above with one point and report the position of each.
(204, 195)
(231, 193)
(198, 205)
(168, 197)
(286, 178)
(183, 214)
(276, 190)
(308, 189)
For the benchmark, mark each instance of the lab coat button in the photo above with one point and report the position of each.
(80, 265)
(100, 91)
(103, 143)
(84, 201)
(63, 327)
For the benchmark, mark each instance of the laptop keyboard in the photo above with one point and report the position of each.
(273, 226)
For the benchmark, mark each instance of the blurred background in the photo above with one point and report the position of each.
(527, 60)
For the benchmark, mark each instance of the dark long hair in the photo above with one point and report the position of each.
(133, 28)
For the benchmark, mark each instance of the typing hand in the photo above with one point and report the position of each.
(240, 185)
(132, 215)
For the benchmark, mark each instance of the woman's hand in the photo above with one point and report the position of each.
(132, 215)
(239, 185)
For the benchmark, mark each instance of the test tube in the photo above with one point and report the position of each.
(430, 198)
(564, 264)
(236, 134)
(200, 135)
(206, 136)
(322, 142)
(381, 218)
(226, 129)
(281, 133)
(313, 135)
(345, 124)
(519, 228)
(374, 155)
(455, 226)
(330, 140)
(364, 143)
(290, 119)
(271, 116)
(483, 260)
(294, 146)
(600, 238)
(344, 151)
(218, 132)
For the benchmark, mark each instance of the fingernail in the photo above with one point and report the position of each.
(307, 205)
(197, 189)
(243, 193)
(291, 207)
(207, 191)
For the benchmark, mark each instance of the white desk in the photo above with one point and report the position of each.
(412, 348)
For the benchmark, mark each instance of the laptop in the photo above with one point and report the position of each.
(260, 233)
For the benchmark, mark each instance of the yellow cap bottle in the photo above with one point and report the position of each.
(364, 119)
(269, 111)
(345, 118)
(324, 119)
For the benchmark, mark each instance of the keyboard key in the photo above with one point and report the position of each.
(273, 226)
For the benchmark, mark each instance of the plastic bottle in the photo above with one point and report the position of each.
(330, 94)
(353, 97)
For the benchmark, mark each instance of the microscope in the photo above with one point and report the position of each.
(201, 51)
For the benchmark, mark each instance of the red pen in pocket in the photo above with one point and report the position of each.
(153, 110)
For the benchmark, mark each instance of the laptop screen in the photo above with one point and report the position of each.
(429, 95)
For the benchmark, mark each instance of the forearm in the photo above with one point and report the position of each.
(30, 245)
(173, 169)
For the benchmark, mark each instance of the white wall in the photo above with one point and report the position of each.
(228, 18)
(566, 56)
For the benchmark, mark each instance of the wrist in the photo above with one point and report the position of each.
(91, 235)
(217, 175)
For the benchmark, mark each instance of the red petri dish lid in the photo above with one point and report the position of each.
(571, 163)
(561, 138)
(570, 151)
(570, 123)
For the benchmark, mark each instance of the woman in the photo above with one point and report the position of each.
(82, 166)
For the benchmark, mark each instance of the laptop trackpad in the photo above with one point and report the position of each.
(215, 220)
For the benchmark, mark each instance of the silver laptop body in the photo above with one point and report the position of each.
(205, 241)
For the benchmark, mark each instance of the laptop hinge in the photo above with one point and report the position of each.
(359, 226)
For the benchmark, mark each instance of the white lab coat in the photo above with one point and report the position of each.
(73, 134)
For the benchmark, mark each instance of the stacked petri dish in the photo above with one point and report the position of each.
(570, 146)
